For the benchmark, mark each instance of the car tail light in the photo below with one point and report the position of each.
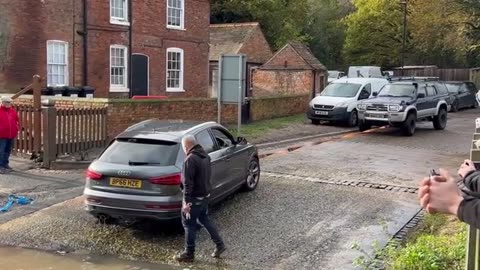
(171, 180)
(92, 175)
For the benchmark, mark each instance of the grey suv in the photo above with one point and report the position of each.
(402, 104)
(139, 173)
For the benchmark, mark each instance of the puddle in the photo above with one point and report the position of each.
(24, 259)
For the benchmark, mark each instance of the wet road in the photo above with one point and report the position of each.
(288, 222)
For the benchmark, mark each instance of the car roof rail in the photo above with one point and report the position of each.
(413, 78)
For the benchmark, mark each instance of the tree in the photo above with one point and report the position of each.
(281, 20)
(374, 33)
(326, 31)
(472, 9)
(438, 33)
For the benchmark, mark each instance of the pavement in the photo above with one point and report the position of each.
(287, 223)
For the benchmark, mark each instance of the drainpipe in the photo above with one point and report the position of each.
(130, 38)
(85, 43)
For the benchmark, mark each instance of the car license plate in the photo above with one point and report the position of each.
(377, 115)
(321, 112)
(125, 183)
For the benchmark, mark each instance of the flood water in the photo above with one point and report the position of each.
(25, 259)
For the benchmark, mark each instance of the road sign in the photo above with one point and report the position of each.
(232, 83)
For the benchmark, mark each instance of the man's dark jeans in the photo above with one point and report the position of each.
(199, 211)
(5, 150)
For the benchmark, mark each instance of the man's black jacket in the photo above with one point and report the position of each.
(469, 210)
(196, 174)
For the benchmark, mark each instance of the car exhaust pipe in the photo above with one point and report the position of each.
(103, 219)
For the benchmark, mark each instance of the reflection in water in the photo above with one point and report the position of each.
(23, 259)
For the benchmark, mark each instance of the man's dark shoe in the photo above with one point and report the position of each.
(2, 171)
(8, 168)
(185, 256)
(219, 251)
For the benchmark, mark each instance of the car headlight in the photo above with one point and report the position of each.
(362, 107)
(395, 108)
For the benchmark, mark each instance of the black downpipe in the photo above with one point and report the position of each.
(130, 44)
(85, 42)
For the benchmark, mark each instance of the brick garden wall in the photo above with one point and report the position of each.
(274, 107)
(281, 82)
(124, 112)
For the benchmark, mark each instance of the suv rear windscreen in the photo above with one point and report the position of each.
(141, 152)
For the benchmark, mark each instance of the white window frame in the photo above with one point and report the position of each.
(124, 87)
(182, 70)
(182, 19)
(67, 78)
(118, 20)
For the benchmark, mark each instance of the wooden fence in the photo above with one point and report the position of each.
(63, 131)
(453, 74)
(79, 130)
(24, 143)
(475, 76)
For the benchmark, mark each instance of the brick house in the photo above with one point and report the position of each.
(292, 70)
(237, 38)
(119, 47)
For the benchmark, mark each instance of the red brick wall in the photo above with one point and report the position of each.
(124, 113)
(282, 82)
(289, 56)
(257, 48)
(280, 106)
(25, 26)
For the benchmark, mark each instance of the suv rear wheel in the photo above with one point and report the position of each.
(440, 120)
(409, 126)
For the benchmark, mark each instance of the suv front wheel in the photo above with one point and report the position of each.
(440, 120)
(409, 125)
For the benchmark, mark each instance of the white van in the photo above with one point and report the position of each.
(338, 101)
(365, 72)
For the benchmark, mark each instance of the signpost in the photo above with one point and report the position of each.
(232, 77)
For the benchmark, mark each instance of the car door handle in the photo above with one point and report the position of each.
(227, 159)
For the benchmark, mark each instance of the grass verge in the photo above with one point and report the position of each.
(257, 129)
(439, 243)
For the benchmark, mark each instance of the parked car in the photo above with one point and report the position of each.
(402, 104)
(335, 75)
(338, 101)
(463, 95)
(139, 174)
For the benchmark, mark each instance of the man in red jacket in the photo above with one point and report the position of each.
(8, 132)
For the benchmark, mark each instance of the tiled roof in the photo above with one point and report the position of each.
(307, 55)
(229, 38)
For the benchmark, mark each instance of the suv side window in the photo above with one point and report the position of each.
(441, 88)
(431, 91)
(205, 140)
(422, 90)
(223, 140)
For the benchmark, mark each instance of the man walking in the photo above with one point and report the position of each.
(196, 193)
(8, 132)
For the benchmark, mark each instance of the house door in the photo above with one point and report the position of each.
(140, 75)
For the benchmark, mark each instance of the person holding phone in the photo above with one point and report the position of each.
(441, 194)
(196, 194)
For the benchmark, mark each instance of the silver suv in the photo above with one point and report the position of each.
(402, 104)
